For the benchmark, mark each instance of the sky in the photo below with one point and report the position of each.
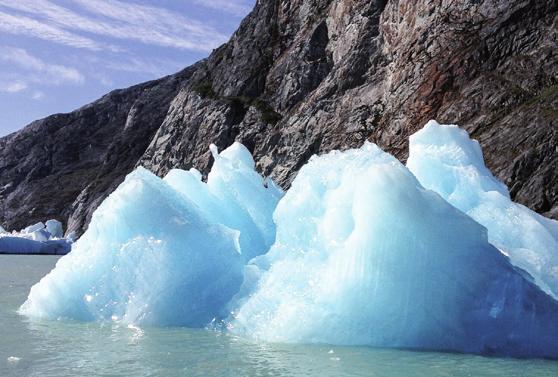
(58, 55)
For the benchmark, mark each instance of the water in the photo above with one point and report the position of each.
(58, 349)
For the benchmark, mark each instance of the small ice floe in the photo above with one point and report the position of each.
(13, 360)
(37, 239)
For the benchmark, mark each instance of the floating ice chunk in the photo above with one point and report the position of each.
(34, 239)
(365, 255)
(34, 227)
(164, 252)
(21, 245)
(13, 360)
(40, 235)
(2, 230)
(54, 227)
(446, 160)
(362, 254)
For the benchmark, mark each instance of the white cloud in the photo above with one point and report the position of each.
(13, 87)
(27, 26)
(51, 73)
(234, 7)
(105, 28)
(109, 18)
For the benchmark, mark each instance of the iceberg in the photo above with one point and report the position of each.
(164, 251)
(447, 161)
(365, 255)
(356, 252)
(36, 239)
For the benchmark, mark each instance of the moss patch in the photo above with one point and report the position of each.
(545, 95)
(269, 116)
(205, 90)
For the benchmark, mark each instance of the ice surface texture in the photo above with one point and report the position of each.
(359, 253)
(165, 252)
(365, 255)
(445, 160)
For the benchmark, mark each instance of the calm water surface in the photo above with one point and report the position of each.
(56, 348)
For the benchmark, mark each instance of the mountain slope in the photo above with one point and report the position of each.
(64, 165)
(306, 76)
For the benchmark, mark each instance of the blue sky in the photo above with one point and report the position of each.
(57, 55)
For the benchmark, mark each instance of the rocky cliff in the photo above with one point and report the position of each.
(301, 77)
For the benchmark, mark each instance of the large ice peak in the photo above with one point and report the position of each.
(447, 161)
(365, 255)
(164, 251)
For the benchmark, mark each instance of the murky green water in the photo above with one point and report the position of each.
(58, 349)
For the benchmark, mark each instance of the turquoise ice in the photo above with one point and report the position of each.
(164, 251)
(356, 252)
(365, 255)
(447, 161)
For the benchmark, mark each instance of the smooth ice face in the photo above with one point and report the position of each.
(32, 228)
(54, 228)
(365, 255)
(163, 252)
(446, 160)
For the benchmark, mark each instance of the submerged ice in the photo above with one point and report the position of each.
(164, 251)
(357, 251)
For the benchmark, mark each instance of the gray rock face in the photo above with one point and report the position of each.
(301, 77)
(64, 165)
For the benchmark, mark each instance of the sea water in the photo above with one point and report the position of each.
(65, 348)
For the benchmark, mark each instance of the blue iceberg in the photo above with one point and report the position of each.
(356, 252)
(365, 255)
(447, 161)
(164, 251)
